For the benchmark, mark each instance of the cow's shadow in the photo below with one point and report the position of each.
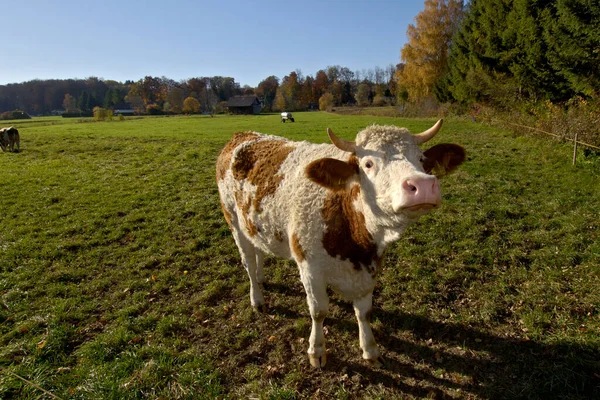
(487, 366)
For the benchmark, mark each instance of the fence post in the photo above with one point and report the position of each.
(575, 149)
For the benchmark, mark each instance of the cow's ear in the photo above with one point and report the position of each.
(443, 158)
(331, 173)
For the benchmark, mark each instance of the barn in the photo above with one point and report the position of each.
(244, 105)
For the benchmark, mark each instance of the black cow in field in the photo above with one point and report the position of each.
(9, 137)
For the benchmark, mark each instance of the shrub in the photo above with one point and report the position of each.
(17, 114)
(191, 105)
(102, 114)
(153, 109)
(547, 119)
(326, 102)
(380, 101)
(77, 114)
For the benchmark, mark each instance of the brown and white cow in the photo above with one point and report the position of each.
(334, 209)
(9, 137)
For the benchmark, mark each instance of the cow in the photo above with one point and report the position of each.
(8, 138)
(286, 116)
(333, 208)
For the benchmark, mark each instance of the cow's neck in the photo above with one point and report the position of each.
(383, 231)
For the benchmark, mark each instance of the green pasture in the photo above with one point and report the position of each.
(119, 278)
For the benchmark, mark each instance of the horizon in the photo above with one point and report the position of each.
(237, 40)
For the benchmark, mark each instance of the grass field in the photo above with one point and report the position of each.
(120, 280)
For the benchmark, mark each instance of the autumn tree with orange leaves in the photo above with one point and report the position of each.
(426, 54)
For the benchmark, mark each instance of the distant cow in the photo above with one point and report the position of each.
(334, 209)
(9, 137)
(285, 116)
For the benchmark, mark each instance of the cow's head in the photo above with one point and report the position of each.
(397, 179)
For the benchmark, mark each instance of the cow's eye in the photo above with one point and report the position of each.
(369, 164)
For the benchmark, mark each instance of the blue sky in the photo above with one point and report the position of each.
(245, 39)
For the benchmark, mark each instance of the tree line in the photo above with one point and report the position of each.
(159, 95)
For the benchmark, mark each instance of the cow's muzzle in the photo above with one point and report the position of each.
(419, 194)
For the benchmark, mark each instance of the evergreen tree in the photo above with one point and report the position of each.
(511, 50)
(83, 102)
(572, 35)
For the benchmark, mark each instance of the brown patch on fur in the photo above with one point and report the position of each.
(259, 164)
(224, 158)
(279, 236)
(331, 173)
(227, 215)
(353, 160)
(244, 207)
(346, 234)
(297, 248)
(443, 158)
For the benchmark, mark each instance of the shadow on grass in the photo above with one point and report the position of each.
(496, 367)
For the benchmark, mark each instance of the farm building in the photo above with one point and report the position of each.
(244, 105)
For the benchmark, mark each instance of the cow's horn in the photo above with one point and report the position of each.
(341, 144)
(429, 133)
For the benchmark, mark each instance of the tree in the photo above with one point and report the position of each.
(195, 86)
(267, 89)
(175, 99)
(320, 84)
(83, 102)
(191, 105)
(572, 35)
(247, 90)
(112, 97)
(507, 51)
(362, 94)
(326, 102)
(306, 93)
(134, 98)
(70, 104)
(281, 101)
(426, 53)
(150, 90)
(211, 101)
(224, 87)
(288, 93)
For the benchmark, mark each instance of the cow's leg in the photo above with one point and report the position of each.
(260, 259)
(318, 304)
(362, 309)
(18, 139)
(249, 256)
(3, 146)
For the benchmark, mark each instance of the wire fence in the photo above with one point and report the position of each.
(574, 139)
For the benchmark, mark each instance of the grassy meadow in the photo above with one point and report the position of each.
(119, 278)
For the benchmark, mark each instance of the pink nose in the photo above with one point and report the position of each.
(422, 193)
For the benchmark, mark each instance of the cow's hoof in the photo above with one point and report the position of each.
(260, 308)
(378, 362)
(317, 362)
